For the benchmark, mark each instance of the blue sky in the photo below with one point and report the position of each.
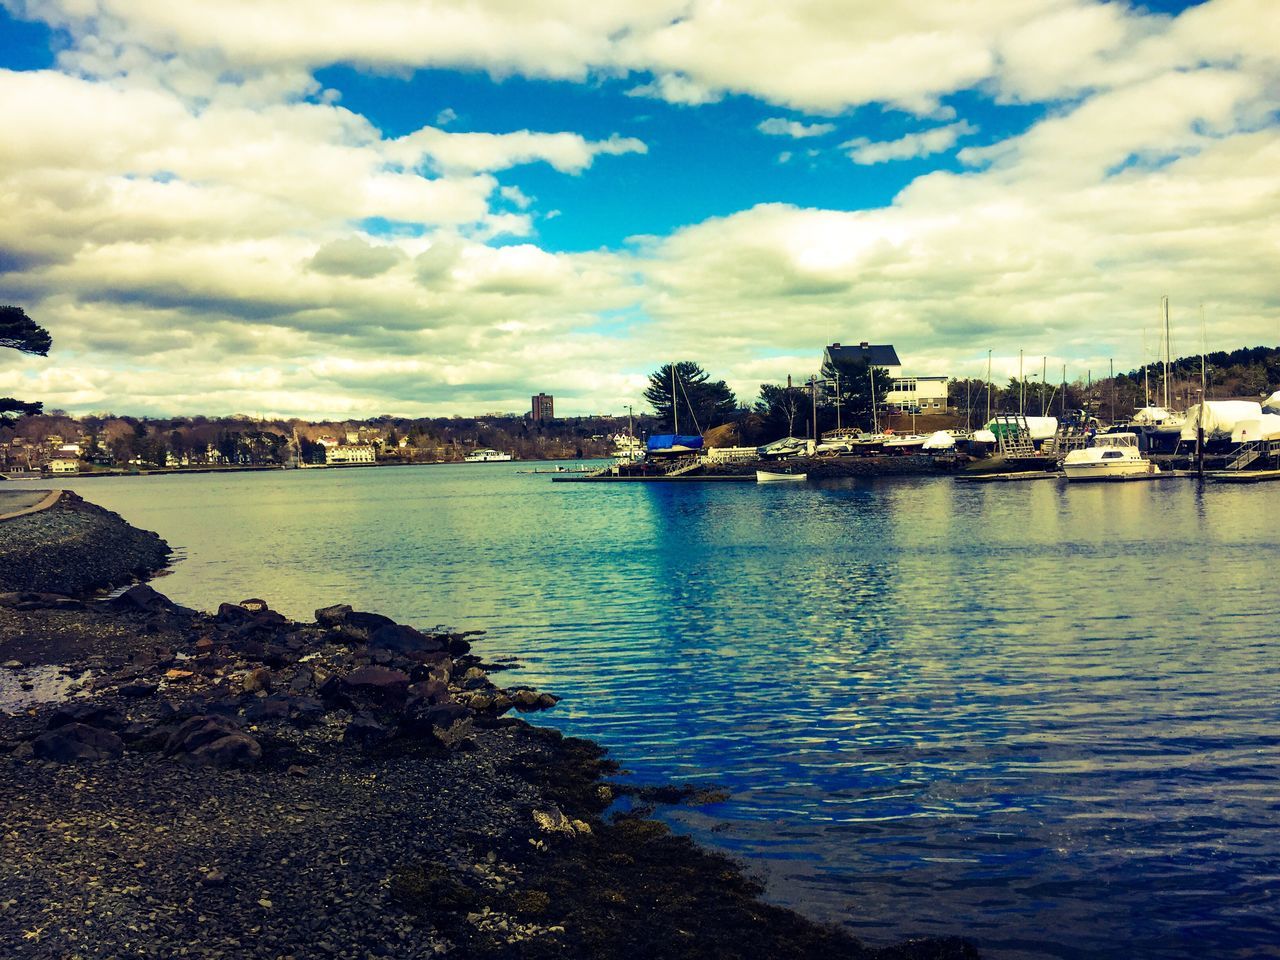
(322, 209)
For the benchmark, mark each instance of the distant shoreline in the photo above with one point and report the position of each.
(271, 468)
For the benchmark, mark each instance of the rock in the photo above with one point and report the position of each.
(13, 664)
(555, 822)
(258, 679)
(233, 750)
(428, 692)
(174, 675)
(213, 877)
(232, 613)
(387, 685)
(364, 730)
(90, 714)
(198, 731)
(269, 708)
(76, 741)
(142, 597)
(295, 770)
(362, 626)
(204, 645)
(447, 723)
(138, 688)
(254, 605)
(526, 700)
(332, 616)
(404, 639)
(301, 681)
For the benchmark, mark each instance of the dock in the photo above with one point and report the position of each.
(685, 478)
(1008, 477)
(1243, 476)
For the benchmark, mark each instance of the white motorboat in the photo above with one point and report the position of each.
(1113, 456)
(486, 456)
(770, 476)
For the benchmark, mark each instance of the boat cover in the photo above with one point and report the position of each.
(1272, 403)
(983, 436)
(1266, 427)
(1151, 415)
(940, 441)
(1041, 428)
(1220, 417)
(673, 441)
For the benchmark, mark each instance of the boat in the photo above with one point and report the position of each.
(627, 447)
(486, 456)
(1113, 456)
(772, 476)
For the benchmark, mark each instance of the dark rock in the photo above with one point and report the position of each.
(232, 613)
(458, 647)
(213, 877)
(269, 708)
(361, 627)
(364, 730)
(447, 723)
(301, 681)
(199, 731)
(402, 639)
(77, 741)
(204, 645)
(332, 616)
(254, 605)
(142, 597)
(89, 714)
(138, 688)
(428, 692)
(66, 603)
(258, 679)
(233, 750)
(382, 683)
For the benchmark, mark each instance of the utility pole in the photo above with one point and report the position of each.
(813, 393)
(875, 412)
(839, 404)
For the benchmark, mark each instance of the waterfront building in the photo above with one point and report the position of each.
(542, 408)
(63, 465)
(349, 453)
(916, 395)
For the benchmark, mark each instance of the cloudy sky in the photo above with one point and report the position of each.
(429, 207)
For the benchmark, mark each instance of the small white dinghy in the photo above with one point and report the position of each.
(769, 476)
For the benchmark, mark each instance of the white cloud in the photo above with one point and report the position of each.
(781, 127)
(475, 152)
(921, 144)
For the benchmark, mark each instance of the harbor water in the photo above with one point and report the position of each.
(1045, 717)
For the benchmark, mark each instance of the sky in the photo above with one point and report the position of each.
(438, 207)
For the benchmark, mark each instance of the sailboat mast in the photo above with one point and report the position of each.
(988, 386)
(1166, 352)
(675, 402)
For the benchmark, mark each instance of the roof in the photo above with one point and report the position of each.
(876, 354)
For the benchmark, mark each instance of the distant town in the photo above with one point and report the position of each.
(57, 443)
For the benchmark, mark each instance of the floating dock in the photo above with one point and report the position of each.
(686, 478)
(1243, 476)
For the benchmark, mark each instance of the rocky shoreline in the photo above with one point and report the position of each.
(75, 547)
(175, 783)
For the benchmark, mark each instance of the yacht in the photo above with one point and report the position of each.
(627, 447)
(1113, 456)
(486, 456)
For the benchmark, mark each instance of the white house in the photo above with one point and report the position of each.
(64, 465)
(349, 453)
(918, 394)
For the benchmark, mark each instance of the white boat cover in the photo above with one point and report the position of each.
(1150, 415)
(1220, 417)
(983, 436)
(1272, 403)
(1042, 428)
(939, 441)
(1266, 427)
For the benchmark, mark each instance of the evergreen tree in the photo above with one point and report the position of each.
(702, 403)
(19, 332)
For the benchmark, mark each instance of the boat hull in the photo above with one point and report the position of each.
(767, 476)
(1117, 470)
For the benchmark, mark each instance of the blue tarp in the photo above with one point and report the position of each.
(665, 441)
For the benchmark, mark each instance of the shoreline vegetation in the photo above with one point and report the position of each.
(237, 784)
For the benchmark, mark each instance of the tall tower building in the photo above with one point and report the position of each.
(543, 408)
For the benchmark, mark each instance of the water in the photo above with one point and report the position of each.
(1044, 717)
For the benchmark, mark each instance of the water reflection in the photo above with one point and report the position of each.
(1038, 714)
